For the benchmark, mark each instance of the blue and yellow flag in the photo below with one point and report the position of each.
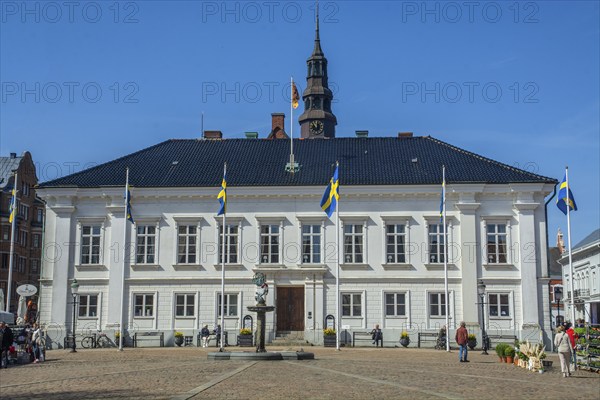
(128, 201)
(442, 201)
(222, 197)
(331, 195)
(295, 96)
(564, 198)
(12, 209)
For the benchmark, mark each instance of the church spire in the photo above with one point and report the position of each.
(317, 120)
(317, 50)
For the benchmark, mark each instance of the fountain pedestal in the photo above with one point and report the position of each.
(260, 310)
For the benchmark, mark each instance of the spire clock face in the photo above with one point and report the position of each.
(316, 127)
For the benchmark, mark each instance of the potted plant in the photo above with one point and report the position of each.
(329, 337)
(509, 353)
(245, 338)
(178, 338)
(472, 341)
(404, 339)
(500, 351)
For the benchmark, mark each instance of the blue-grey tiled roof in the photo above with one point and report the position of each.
(589, 239)
(259, 162)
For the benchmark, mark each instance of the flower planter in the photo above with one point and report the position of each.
(329, 341)
(179, 340)
(472, 344)
(245, 341)
(509, 360)
(405, 341)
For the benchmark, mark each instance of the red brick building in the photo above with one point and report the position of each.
(30, 216)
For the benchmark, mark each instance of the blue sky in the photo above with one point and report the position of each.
(517, 82)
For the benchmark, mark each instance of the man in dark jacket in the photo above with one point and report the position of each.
(462, 337)
(7, 339)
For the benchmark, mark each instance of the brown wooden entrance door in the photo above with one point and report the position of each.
(290, 308)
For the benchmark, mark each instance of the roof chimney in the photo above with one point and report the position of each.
(278, 121)
(13, 155)
(362, 134)
(213, 135)
(402, 135)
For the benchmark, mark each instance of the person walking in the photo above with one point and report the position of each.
(204, 335)
(462, 337)
(217, 332)
(7, 340)
(36, 341)
(377, 336)
(563, 346)
(572, 339)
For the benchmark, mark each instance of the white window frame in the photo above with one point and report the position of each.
(81, 222)
(311, 219)
(134, 305)
(352, 293)
(237, 304)
(439, 304)
(262, 220)
(395, 293)
(178, 224)
(428, 220)
(394, 220)
(485, 220)
(230, 221)
(185, 305)
(98, 306)
(498, 294)
(268, 258)
(91, 236)
(155, 222)
(355, 221)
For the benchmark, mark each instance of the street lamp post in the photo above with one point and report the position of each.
(558, 297)
(481, 292)
(74, 290)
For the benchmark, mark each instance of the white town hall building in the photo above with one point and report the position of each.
(391, 258)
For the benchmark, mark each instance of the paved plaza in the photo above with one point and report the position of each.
(360, 373)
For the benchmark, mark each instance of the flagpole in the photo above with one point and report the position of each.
(122, 322)
(222, 333)
(292, 169)
(570, 258)
(13, 228)
(445, 257)
(337, 262)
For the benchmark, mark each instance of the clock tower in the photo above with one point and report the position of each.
(317, 120)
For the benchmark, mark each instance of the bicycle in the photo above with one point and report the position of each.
(96, 340)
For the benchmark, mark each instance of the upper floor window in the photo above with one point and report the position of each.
(311, 244)
(395, 243)
(187, 244)
(5, 232)
(269, 244)
(40, 215)
(353, 243)
(90, 244)
(36, 240)
(34, 266)
(496, 243)
(145, 244)
(437, 247)
(22, 265)
(24, 211)
(231, 243)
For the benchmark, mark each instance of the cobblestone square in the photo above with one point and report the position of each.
(352, 373)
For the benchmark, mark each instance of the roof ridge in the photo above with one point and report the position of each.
(486, 159)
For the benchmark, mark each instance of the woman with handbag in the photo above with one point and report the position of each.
(563, 346)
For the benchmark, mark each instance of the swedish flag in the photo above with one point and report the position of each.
(565, 198)
(442, 200)
(222, 197)
(12, 209)
(331, 195)
(128, 201)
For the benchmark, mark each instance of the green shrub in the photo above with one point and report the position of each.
(509, 351)
(500, 349)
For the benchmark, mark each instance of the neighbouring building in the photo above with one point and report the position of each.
(29, 224)
(391, 238)
(556, 292)
(586, 269)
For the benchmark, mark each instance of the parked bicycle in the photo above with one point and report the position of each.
(96, 340)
